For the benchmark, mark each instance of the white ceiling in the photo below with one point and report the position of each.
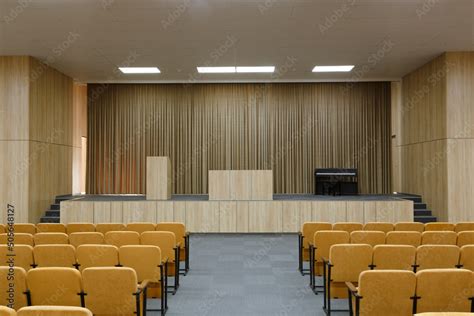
(89, 39)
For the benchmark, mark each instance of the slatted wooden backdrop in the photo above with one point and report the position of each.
(289, 128)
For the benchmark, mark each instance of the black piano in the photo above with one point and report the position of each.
(336, 181)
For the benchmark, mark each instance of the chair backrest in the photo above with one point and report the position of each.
(25, 228)
(464, 226)
(51, 239)
(465, 238)
(23, 256)
(410, 227)
(348, 261)
(87, 238)
(80, 228)
(166, 241)
(17, 239)
(409, 238)
(394, 257)
(466, 258)
(94, 256)
(324, 239)
(379, 226)
(178, 229)
(54, 311)
(348, 226)
(6, 311)
(437, 257)
(109, 227)
(109, 291)
(310, 228)
(55, 256)
(55, 286)
(122, 238)
(439, 226)
(442, 290)
(386, 292)
(439, 238)
(145, 260)
(51, 228)
(372, 238)
(19, 287)
(140, 227)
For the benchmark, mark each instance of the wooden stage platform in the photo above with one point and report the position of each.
(284, 214)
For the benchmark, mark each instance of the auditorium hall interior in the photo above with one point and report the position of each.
(236, 157)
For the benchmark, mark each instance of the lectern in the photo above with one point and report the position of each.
(158, 178)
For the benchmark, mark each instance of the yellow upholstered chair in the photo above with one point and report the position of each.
(18, 239)
(87, 238)
(439, 238)
(182, 239)
(394, 257)
(140, 227)
(465, 238)
(20, 289)
(379, 226)
(387, 293)
(443, 290)
(55, 256)
(6, 311)
(93, 256)
(25, 228)
(122, 238)
(23, 256)
(464, 226)
(54, 311)
(109, 227)
(2, 229)
(466, 258)
(51, 228)
(409, 238)
(410, 227)
(166, 241)
(305, 238)
(51, 239)
(80, 228)
(437, 257)
(372, 238)
(147, 263)
(319, 250)
(348, 226)
(112, 291)
(439, 226)
(55, 286)
(346, 263)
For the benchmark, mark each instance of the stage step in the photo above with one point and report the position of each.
(425, 219)
(53, 214)
(423, 213)
(419, 206)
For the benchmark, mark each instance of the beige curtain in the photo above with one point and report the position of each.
(289, 128)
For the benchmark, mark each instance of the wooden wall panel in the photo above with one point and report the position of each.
(139, 211)
(241, 185)
(202, 216)
(164, 211)
(265, 216)
(79, 130)
(219, 185)
(242, 210)
(288, 128)
(102, 212)
(291, 215)
(227, 216)
(355, 211)
(158, 178)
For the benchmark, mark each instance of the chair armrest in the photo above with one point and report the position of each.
(327, 262)
(143, 285)
(352, 288)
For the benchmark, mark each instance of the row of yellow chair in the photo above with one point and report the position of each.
(46, 310)
(179, 229)
(306, 235)
(347, 261)
(102, 290)
(403, 293)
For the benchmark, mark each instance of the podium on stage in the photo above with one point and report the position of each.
(158, 178)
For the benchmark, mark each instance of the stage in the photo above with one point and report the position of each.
(284, 214)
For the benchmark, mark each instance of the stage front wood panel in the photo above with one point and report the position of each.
(237, 216)
(240, 185)
(288, 128)
(158, 180)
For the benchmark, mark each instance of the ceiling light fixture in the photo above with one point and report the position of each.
(256, 69)
(139, 70)
(346, 68)
(215, 70)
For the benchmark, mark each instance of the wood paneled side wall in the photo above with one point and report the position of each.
(288, 128)
(35, 135)
(79, 130)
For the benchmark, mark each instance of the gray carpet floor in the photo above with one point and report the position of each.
(245, 275)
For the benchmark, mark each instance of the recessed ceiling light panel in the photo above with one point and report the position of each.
(139, 70)
(215, 70)
(256, 69)
(345, 68)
